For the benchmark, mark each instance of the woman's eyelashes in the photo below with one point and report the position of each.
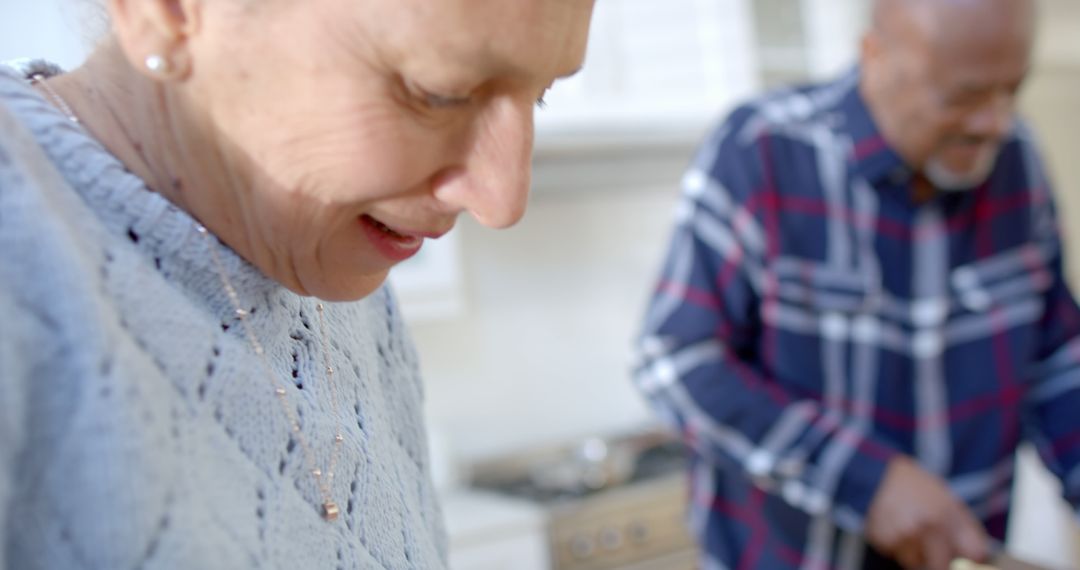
(441, 101)
(541, 102)
(437, 101)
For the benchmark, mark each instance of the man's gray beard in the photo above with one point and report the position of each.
(948, 181)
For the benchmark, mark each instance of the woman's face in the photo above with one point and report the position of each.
(346, 132)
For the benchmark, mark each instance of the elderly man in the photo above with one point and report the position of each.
(863, 310)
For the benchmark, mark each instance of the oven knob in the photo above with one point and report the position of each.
(582, 546)
(638, 531)
(611, 538)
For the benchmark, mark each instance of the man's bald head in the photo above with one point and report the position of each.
(935, 18)
(940, 78)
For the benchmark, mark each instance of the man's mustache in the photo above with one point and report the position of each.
(973, 140)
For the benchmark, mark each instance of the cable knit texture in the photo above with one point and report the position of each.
(136, 428)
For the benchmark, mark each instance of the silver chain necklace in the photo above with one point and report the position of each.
(323, 480)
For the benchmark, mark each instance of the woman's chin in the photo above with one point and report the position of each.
(343, 290)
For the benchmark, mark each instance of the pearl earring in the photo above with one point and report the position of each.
(157, 64)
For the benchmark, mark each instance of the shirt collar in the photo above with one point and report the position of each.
(873, 157)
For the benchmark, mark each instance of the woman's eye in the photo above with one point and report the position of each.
(444, 101)
(432, 99)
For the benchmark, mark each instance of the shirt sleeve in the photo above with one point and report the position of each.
(1052, 403)
(696, 360)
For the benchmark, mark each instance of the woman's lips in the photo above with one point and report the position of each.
(394, 245)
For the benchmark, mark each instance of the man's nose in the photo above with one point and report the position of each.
(995, 118)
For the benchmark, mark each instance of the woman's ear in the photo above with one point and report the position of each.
(155, 35)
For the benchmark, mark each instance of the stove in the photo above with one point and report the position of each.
(611, 503)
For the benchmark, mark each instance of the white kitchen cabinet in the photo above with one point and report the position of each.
(524, 553)
(491, 532)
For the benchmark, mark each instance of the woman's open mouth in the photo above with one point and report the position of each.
(392, 244)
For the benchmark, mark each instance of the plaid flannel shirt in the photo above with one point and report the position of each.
(812, 321)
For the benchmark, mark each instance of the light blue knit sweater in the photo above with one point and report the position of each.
(136, 431)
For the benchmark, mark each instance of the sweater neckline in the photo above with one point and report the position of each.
(124, 203)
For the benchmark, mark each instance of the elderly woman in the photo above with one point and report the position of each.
(198, 367)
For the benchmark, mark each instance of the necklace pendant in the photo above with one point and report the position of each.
(330, 511)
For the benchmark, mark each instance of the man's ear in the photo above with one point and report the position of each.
(870, 48)
(155, 35)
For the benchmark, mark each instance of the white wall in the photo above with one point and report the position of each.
(57, 30)
(1058, 27)
(833, 29)
(551, 308)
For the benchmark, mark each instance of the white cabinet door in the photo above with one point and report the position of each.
(492, 532)
(520, 553)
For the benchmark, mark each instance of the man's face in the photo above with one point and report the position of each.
(957, 79)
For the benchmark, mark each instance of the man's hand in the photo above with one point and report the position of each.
(915, 518)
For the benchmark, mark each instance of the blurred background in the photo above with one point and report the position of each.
(525, 334)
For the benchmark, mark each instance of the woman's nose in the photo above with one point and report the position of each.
(492, 183)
